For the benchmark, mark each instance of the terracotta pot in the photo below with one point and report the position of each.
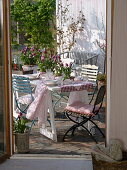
(22, 142)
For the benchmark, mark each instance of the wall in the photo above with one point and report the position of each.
(117, 118)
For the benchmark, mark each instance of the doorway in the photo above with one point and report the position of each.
(43, 139)
(5, 148)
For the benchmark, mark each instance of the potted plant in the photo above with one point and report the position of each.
(48, 61)
(101, 79)
(29, 57)
(21, 132)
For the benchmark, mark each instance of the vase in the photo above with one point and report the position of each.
(22, 142)
(49, 74)
(29, 69)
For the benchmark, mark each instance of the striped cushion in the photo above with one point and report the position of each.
(81, 108)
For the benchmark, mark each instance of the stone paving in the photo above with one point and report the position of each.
(79, 144)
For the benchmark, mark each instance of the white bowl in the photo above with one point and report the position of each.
(51, 82)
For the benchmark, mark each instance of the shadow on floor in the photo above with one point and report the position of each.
(79, 144)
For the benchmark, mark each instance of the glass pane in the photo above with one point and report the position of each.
(2, 110)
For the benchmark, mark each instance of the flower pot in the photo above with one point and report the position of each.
(22, 142)
(101, 83)
(29, 69)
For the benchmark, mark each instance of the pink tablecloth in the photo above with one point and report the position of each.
(79, 86)
(39, 107)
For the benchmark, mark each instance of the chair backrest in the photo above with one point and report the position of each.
(91, 71)
(21, 85)
(100, 96)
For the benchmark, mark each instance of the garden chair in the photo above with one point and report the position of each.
(80, 113)
(80, 58)
(23, 94)
(90, 72)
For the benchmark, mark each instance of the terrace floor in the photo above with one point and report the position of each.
(79, 144)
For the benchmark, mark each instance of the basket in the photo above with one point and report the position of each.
(103, 165)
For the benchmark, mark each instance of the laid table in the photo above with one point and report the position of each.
(74, 86)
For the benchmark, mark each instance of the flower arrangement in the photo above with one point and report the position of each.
(20, 124)
(48, 61)
(63, 70)
(67, 71)
(30, 55)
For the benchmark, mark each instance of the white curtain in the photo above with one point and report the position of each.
(94, 26)
(95, 15)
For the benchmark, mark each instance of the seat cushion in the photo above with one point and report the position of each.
(26, 99)
(81, 108)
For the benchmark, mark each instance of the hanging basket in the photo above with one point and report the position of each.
(103, 165)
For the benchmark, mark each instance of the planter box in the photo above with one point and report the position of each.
(22, 142)
(29, 69)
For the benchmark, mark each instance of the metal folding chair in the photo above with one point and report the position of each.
(23, 95)
(85, 112)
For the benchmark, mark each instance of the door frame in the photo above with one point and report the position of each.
(7, 80)
(8, 72)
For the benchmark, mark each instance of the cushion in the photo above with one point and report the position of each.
(26, 99)
(81, 108)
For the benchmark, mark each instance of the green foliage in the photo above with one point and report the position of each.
(35, 19)
(101, 77)
(20, 124)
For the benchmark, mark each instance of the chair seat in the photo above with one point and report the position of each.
(26, 99)
(81, 108)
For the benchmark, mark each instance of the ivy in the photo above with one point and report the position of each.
(35, 19)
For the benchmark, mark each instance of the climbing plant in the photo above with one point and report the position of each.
(35, 20)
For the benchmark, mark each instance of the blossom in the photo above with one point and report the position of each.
(32, 49)
(45, 52)
(29, 55)
(48, 60)
(61, 64)
(42, 58)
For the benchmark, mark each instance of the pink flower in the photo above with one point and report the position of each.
(42, 58)
(66, 64)
(61, 64)
(45, 52)
(20, 113)
(70, 64)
